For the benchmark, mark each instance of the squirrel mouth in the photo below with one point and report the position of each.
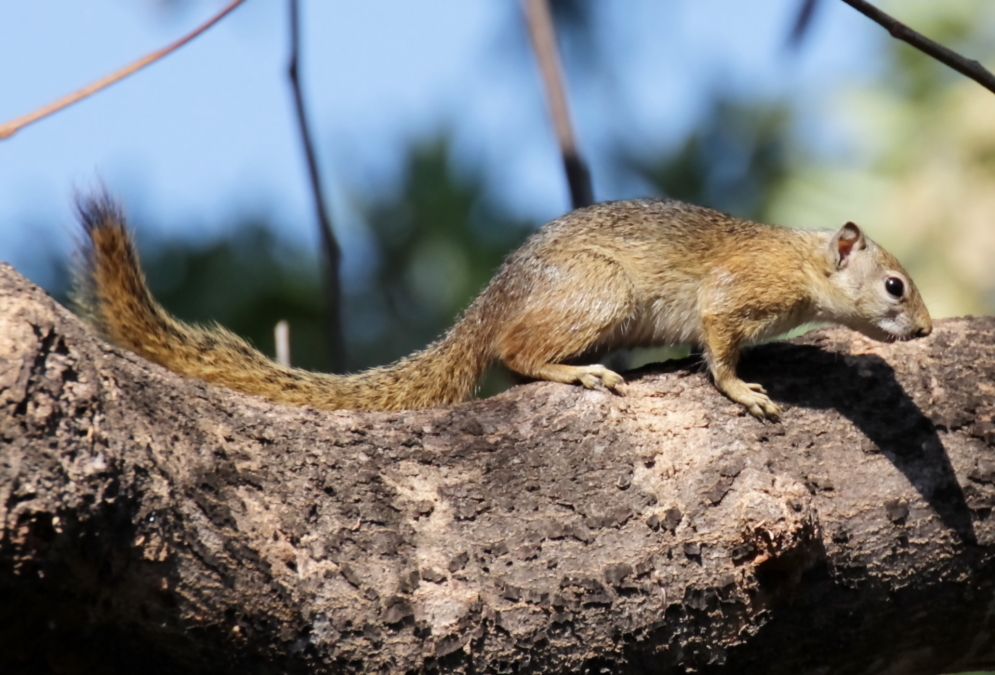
(905, 337)
(890, 337)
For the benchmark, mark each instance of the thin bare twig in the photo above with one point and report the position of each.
(543, 36)
(8, 129)
(803, 22)
(967, 67)
(281, 338)
(333, 255)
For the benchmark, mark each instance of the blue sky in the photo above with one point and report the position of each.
(207, 134)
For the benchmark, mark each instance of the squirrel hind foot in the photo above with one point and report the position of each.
(598, 377)
(594, 376)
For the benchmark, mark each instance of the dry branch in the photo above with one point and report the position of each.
(803, 22)
(8, 129)
(898, 30)
(154, 524)
(329, 244)
(542, 33)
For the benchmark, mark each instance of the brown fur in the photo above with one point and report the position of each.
(610, 276)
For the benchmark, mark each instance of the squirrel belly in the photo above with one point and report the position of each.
(606, 277)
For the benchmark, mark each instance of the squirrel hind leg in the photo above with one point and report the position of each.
(567, 320)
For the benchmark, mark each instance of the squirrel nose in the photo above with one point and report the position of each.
(922, 331)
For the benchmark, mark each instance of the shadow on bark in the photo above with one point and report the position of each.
(866, 391)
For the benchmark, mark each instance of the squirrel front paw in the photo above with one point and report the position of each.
(754, 398)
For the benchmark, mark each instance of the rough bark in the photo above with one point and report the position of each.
(155, 524)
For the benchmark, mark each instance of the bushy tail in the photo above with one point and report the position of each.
(111, 293)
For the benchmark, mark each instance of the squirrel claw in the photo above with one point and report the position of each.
(600, 378)
(765, 410)
(754, 398)
(769, 414)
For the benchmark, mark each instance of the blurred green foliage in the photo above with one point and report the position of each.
(438, 243)
(731, 161)
(247, 283)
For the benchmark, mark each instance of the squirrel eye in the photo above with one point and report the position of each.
(894, 286)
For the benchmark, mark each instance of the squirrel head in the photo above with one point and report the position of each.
(873, 293)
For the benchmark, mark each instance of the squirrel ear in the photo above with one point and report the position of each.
(845, 242)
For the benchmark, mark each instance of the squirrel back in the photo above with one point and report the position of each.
(606, 277)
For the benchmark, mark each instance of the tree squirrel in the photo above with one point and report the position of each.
(606, 277)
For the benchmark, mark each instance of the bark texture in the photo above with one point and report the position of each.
(154, 524)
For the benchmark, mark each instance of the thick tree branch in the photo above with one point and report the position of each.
(8, 129)
(967, 67)
(154, 524)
